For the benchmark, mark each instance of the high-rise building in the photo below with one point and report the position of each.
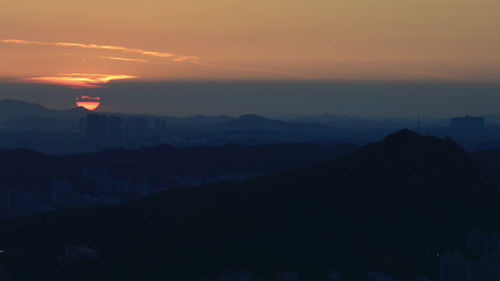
(160, 125)
(136, 125)
(103, 128)
(115, 128)
(484, 249)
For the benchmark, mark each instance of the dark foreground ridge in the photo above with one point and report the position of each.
(383, 207)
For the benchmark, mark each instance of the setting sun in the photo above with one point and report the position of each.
(87, 102)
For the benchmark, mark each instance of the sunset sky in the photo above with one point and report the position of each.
(162, 40)
(288, 57)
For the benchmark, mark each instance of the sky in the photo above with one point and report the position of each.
(90, 44)
(254, 40)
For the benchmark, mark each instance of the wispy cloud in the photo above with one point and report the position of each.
(165, 55)
(125, 59)
(154, 57)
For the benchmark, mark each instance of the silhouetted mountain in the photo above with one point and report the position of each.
(20, 115)
(383, 207)
(15, 109)
(255, 122)
(340, 121)
(76, 111)
(490, 161)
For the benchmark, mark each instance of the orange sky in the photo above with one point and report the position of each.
(451, 40)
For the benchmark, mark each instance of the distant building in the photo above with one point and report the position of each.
(481, 245)
(103, 128)
(333, 276)
(484, 248)
(286, 275)
(452, 268)
(455, 268)
(96, 127)
(82, 125)
(10, 200)
(231, 275)
(136, 125)
(4, 276)
(467, 122)
(160, 125)
(104, 183)
(115, 128)
(80, 252)
(61, 192)
(378, 276)
(423, 278)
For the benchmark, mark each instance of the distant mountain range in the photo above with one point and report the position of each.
(391, 206)
(15, 113)
(26, 125)
(196, 121)
(340, 121)
(15, 110)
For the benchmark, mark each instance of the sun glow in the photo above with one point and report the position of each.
(88, 102)
(79, 80)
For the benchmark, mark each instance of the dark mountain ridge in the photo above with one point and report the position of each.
(379, 208)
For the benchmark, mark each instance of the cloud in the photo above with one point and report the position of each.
(164, 55)
(79, 80)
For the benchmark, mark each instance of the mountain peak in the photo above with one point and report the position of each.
(78, 110)
(404, 133)
(407, 161)
(407, 139)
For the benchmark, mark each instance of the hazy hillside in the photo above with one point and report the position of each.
(196, 121)
(32, 182)
(255, 122)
